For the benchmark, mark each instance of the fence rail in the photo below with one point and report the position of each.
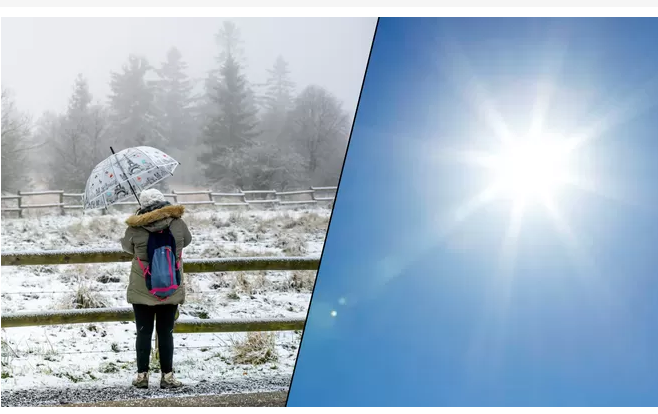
(61, 257)
(232, 264)
(68, 317)
(242, 198)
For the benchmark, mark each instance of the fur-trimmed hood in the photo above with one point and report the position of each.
(156, 219)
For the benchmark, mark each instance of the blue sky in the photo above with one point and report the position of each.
(414, 308)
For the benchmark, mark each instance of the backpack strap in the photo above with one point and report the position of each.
(145, 269)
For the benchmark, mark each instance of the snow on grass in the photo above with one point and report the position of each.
(102, 354)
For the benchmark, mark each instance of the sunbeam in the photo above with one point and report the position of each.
(471, 206)
(641, 99)
(508, 255)
(474, 90)
(575, 249)
(544, 92)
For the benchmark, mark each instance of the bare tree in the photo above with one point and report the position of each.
(16, 145)
(320, 129)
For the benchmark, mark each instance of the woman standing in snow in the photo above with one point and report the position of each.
(156, 219)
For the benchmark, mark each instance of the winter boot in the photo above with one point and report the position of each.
(168, 381)
(142, 380)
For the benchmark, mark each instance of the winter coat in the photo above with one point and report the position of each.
(135, 241)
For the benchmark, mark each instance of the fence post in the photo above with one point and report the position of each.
(210, 195)
(312, 193)
(173, 192)
(156, 349)
(277, 204)
(61, 201)
(20, 204)
(244, 197)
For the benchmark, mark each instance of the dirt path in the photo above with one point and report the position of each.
(268, 391)
(259, 399)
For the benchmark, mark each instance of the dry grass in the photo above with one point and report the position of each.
(268, 224)
(191, 283)
(291, 244)
(239, 219)
(195, 221)
(233, 295)
(84, 297)
(307, 223)
(249, 283)
(91, 228)
(260, 282)
(197, 309)
(257, 348)
(8, 354)
(241, 283)
(233, 251)
(117, 273)
(231, 236)
(302, 281)
(218, 222)
(76, 274)
(311, 222)
(219, 280)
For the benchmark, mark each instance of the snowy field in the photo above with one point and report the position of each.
(102, 354)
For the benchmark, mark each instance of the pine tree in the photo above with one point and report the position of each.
(134, 116)
(229, 41)
(277, 100)
(175, 104)
(75, 139)
(237, 121)
(231, 119)
(81, 98)
(173, 98)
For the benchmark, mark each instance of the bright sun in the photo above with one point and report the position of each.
(531, 169)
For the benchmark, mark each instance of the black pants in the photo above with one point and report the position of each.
(164, 316)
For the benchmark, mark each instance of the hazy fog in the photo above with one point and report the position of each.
(252, 103)
(42, 56)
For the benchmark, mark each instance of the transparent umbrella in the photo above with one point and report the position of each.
(126, 174)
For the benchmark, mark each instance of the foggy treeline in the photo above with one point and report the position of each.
(227, 132)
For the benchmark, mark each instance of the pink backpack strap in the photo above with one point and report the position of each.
(145, 270)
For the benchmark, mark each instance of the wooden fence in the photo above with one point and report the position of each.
(21, 319)
(243, 198)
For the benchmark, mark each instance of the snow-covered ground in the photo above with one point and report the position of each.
(102, 354)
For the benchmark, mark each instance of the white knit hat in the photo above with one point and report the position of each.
(150, 197)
